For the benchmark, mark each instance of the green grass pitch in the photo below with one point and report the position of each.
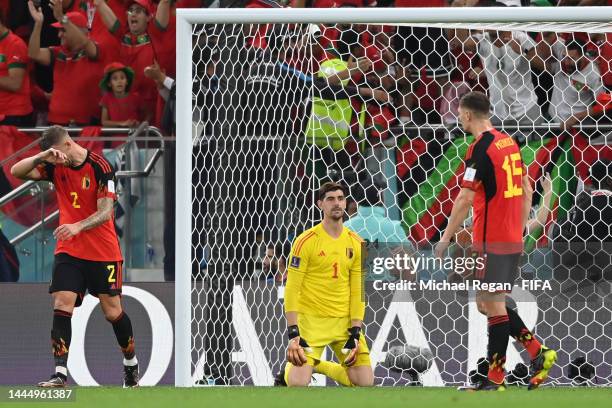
(335, 397)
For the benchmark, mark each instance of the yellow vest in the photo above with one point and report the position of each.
(330, 121)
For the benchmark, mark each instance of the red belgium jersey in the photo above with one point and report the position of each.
(494, 170)
(78, 189)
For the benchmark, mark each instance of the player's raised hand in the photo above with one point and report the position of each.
(35, 12)
(66, 231)
(53, 156)
(351, 348)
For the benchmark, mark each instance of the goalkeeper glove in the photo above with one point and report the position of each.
(352, 345)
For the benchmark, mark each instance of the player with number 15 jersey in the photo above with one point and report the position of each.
(494, 170)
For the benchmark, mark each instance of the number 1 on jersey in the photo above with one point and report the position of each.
(335, 266)
(511, 169)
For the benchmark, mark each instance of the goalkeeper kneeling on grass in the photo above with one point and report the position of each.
(324, 301)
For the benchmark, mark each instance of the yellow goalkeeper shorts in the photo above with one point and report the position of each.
(320, 332)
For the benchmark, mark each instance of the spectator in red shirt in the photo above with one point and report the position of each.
(256, 38)
(97, 30)
(76, 67)
(15, 104)
(120, 106)
(163, 31)
(138, 42)
(164, 39)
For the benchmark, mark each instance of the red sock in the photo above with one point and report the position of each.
(497, 373)
(522, 334)
(531, 344)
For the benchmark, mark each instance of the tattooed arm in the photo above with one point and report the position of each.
(103, 214)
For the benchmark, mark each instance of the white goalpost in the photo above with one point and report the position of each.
(253, 145)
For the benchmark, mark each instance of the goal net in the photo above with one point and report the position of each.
(272, 104)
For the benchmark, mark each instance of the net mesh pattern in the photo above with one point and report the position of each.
(279, 109)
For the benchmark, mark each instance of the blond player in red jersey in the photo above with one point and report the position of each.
(87, 255)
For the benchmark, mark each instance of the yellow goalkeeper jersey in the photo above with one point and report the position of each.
(325, 276)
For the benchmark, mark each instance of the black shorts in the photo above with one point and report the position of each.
(499, 268)
(78, 275)
(424, 47)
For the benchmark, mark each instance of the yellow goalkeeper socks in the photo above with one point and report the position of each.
(334, 371)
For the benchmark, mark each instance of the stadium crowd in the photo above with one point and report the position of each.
(84, 63)
(96, 62)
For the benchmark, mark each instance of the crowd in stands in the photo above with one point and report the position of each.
(57, 52)
(86, 62)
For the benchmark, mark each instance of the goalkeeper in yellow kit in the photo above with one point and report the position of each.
(324, 299)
